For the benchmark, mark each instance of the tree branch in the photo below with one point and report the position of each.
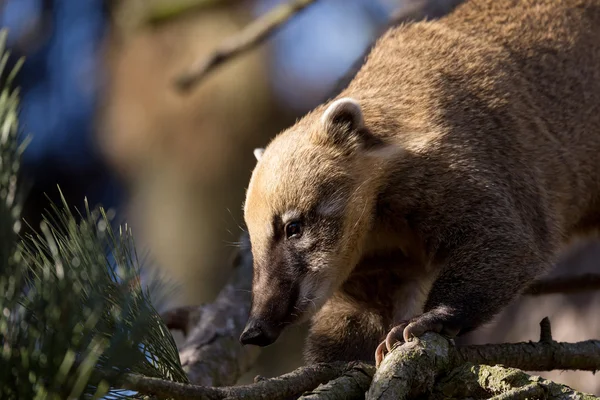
(540, 356)
(351, 385)
(545, 355)
(283, 387)
(212, 354)
(408, 371)
(262, 28)
(163, 11)
(564, 285)
(412, 369)
(251, 36)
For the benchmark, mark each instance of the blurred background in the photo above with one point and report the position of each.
(106, 124)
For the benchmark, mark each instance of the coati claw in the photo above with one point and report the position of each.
(380, 353)
(393, 337)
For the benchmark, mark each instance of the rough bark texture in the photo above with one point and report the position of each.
(352, 385)
(419, 368)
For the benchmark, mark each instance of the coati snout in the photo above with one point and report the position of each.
(258, 333)
(274, 302)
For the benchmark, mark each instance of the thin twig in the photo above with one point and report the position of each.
(251, 36)
(545, 331)
(564, 285)
(163, 11)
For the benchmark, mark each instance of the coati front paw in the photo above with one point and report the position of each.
(392, 338)
(439, 321)
(432, 321)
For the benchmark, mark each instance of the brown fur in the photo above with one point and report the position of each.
(476, 161)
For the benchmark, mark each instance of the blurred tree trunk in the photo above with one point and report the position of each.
(186, 159)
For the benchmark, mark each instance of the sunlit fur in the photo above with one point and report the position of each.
(477, 159)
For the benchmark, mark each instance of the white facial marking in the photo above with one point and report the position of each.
(290, 215)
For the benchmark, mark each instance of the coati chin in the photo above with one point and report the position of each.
(439, 184)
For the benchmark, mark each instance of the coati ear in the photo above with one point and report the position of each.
(258, 153)
(344, 125)
(344, 113)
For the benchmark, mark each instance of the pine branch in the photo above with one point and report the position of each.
(251, 36)
(71, 299)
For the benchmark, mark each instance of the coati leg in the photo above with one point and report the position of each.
(344, 330)
(477, 280)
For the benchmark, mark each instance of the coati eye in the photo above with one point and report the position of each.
(293, 230)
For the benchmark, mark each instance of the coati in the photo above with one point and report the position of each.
(443, 180)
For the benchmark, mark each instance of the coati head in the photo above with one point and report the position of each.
(310, 201)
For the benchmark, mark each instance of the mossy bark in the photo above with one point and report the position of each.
(485, 381)
(411, 370)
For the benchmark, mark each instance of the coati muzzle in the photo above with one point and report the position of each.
(273, 305)
(258, 333)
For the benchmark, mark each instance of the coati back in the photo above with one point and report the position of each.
(443, 180)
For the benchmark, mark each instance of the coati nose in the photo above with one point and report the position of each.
(257, 334)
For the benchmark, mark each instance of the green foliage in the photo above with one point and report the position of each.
(73, 314)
